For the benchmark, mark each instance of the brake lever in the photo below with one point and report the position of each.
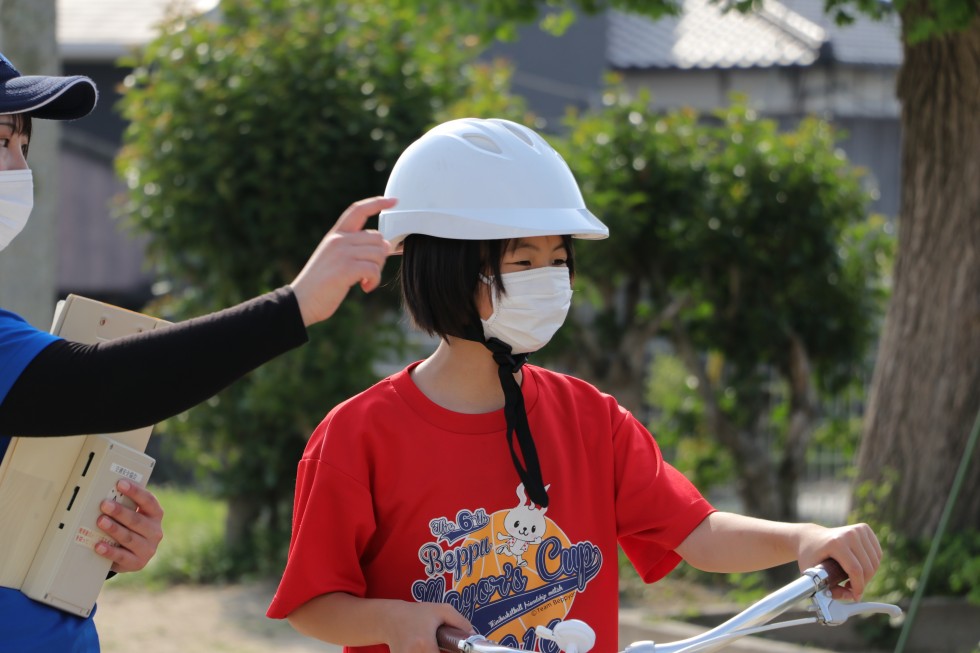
(571, 636)
(834, 613)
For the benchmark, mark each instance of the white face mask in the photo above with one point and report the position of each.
(16, 202)
(532, 310)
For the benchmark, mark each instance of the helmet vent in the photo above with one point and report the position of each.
(482, 142)
(517, 131)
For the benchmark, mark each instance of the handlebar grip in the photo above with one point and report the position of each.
(450, 638)
(835, 573)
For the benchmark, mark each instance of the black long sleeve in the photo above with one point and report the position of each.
(74, 389)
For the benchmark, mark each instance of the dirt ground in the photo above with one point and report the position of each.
(192, 619)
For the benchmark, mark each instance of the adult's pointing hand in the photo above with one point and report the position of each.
(349, 254)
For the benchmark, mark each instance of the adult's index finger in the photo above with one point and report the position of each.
(357, 214)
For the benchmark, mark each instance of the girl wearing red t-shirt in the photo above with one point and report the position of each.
(473, 489)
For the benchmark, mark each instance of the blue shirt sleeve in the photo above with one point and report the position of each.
(19, 344)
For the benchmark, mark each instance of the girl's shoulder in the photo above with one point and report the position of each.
(381, 396)
(574, 392)
(559, 380)
(352, 413)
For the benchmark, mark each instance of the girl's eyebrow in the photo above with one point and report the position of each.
(523, 244)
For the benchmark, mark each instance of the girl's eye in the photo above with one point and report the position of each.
(4, 142)
(560, 262)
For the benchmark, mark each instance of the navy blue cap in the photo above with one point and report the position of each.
(43, 96)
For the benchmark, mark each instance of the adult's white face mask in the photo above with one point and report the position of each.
(531, 310)
(16, 202)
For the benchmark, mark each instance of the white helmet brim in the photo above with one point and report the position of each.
(491, 224)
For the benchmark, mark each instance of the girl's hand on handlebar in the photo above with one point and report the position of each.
(854, 547)
(411, 627)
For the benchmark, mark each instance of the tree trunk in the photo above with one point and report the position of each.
(926, 387)
(755, 476)
(620, 371)
(799, 432)
(243, 512)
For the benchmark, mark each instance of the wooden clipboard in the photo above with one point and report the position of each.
(35, 471)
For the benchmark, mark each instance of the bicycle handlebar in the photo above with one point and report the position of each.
(450, 638)
(813, 581)
(455, 640)
(835, 573)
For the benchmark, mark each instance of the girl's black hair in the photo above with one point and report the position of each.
(439, 278)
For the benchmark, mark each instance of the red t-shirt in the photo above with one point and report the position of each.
(399, 498)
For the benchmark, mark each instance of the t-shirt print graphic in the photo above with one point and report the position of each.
(507, 572)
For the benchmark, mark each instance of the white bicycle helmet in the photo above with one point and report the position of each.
(476, 179)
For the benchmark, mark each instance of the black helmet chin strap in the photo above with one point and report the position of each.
(509, 364)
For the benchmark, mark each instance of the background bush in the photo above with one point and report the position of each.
(248, 137)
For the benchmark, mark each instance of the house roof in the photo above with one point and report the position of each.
(781, 33)
(107, 29)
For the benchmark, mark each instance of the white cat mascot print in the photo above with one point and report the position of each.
(506, 589)
(525, 525)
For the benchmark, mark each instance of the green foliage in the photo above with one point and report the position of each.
(679, 425)
(500, 18)
(922, 19)
(955, 570)
(247, 138)
(843, 12)
(783, 236)
(193, 550)
(488, 95)
(263, 118)
(839, 433)
(745, 245)
(737, 588)
(764, 232)
(746, 588)
(644, 176)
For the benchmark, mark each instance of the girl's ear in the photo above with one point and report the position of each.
(483, 300)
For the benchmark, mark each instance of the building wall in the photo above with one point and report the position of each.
(834, 91)
(104, 123)
(98, 256)
(557, 72)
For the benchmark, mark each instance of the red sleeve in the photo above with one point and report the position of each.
(332, 522)
(656, 506)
